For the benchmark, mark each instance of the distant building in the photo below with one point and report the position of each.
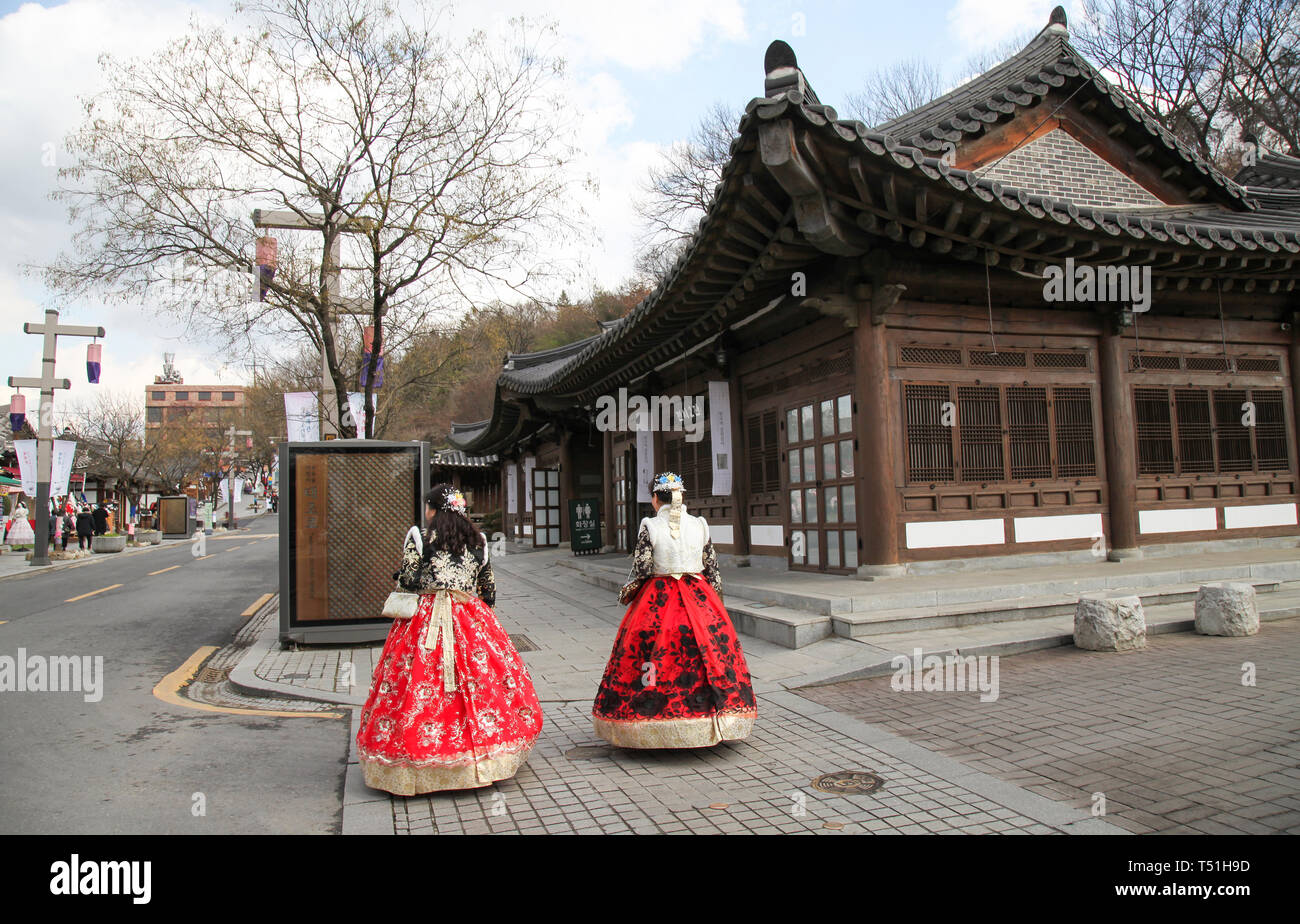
(170, 399)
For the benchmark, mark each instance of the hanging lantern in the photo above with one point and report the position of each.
(17, 413)
(266, 252)
(367, 349)
(94, 353)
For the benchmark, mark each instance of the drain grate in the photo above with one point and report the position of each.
(213, 675)
(848, 783)
(523, 643)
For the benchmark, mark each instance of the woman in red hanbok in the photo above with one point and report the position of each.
(451, 704)
(677, 677)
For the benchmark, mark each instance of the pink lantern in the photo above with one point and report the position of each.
(94, 355)
(17, 412)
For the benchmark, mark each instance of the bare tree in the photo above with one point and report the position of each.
(896, 90)
(678, 192)
(1211, 71)
(437, 162)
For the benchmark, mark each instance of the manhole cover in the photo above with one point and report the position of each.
(848, 783)
(523, 643)
(587, 752)
(213, 674)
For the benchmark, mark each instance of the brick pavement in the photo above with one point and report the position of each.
(1169, 735)
(573, 782)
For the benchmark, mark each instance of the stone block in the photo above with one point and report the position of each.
(1226, 608)
(1109, 622)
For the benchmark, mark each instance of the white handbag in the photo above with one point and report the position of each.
(402, 604)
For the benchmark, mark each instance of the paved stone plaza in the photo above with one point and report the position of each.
(1168, 734)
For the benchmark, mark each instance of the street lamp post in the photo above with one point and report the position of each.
(230, 475)
(286, 219)
(51, 330)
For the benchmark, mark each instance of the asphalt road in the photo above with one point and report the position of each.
(130, 763)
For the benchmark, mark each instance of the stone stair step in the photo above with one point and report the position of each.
(1006, 609)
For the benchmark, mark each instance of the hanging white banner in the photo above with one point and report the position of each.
(26, 450)
(720, 436)
(239, 490)
(530, 463)
(301, 416)
(645, 463)
(512, 489)
(61, 469)
(223, 491)
(357, 404)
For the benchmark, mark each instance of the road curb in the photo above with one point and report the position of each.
(244, 678)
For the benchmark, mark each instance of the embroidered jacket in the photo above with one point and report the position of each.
(657, 552)
(436, 568)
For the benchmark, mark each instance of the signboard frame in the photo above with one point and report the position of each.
(366, 627)
(586, 540)
(169, 516)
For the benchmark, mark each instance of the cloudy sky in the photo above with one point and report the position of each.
(641, 76)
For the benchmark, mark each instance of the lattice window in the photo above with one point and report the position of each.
(1232, 436)
(1076, 450)
(989, 358)
(840, 365)
(1076, 359)
(929, 440)
(1156, 361)
(1206, 363)
(1195, 430)
(1258, 364)
(1155, 435)
(979, 414)
(1271, 444)
(930, 356)
(762, 438)
(1211, 430)
(1029, 431)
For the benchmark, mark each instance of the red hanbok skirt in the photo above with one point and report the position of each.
(677, 677)
(415, 736)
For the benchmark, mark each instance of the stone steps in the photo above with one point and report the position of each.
(1016, 637)
(796, 616)
(953, 615)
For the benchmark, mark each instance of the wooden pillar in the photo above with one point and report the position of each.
(1293, 362)
(607, 482)
(878, 513)
(739, 470)
(1118, 435)
(568, 481)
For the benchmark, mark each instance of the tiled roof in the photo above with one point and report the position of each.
(455, 458)
(1049, 62)
(1271, 171)
(778, 208)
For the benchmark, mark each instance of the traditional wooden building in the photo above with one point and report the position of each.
(477, 477)
(1022, 319)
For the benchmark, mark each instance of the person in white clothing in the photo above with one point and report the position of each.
(677, 677)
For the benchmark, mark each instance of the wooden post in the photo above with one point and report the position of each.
(1118, 434)
(51, 330)
(739, 471)
(568, 482)
(878, 513)
(607, 480)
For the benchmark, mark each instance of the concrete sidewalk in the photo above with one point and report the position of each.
(574, 782)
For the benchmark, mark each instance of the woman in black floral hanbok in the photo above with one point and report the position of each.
(677, 677)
